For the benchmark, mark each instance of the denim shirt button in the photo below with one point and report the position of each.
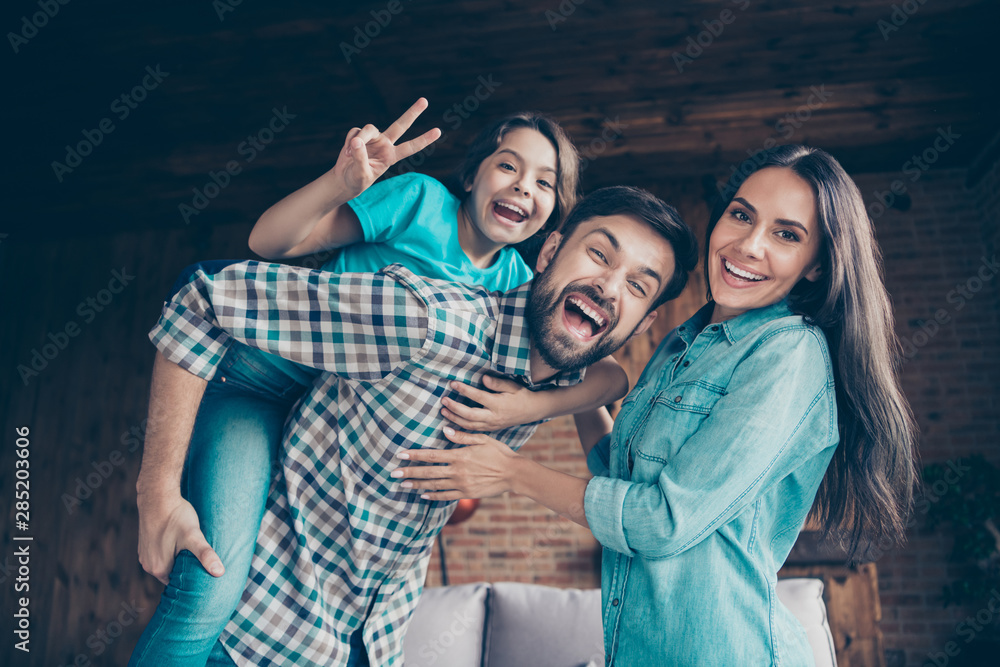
(678, 399)
(614, 603)
(715, 327)
(686, 363)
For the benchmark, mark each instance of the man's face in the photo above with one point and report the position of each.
(594, 289)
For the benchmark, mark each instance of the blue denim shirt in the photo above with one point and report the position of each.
(702, 487)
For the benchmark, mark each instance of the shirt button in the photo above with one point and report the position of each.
(678, 399)
(715, 327)
(223, 378)
(614, 603)
(686, 363)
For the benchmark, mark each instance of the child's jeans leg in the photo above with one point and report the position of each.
(230, 464)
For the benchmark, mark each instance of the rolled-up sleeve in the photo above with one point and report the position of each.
(360, 326)
(779, 411)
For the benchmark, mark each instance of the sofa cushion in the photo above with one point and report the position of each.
(451, 626)
(447, 627)
(804, 598)
(543, 626)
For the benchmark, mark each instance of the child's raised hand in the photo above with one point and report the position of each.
(368, 153)
(506, 403)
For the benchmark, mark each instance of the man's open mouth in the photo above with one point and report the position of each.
(583, 317)
(510, 211)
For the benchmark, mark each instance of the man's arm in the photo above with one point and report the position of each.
(356, 325)
(167, 522)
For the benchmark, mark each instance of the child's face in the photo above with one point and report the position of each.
(514, 191)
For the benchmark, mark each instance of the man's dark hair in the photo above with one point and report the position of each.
(647, 207)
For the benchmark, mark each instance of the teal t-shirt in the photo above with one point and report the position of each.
(413, 220)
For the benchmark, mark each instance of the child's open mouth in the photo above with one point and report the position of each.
(583, 318)
(509, 211)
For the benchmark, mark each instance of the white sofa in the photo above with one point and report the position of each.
(524, 625)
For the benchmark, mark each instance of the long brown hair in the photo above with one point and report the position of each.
(867, 493)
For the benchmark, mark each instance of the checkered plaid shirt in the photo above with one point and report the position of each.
(341, 544)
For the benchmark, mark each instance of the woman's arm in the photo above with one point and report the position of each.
(507, 403)
(779, 415)
(316, 217)
(776, 417)
(485, 467)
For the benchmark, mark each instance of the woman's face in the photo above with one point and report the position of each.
(767, 240)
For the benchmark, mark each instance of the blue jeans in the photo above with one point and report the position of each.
(231, 461)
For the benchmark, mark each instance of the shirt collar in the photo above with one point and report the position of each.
(736, 328)
(512, 346)
(743, 324)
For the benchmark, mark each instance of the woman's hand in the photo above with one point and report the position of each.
(483, 467)
(368, 153)
(506, 403)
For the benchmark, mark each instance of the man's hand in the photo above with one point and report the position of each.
(505, 403)
(168, 524)
(368, 153)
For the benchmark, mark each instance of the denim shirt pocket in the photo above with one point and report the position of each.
(677, 412)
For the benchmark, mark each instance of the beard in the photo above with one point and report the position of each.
(556, 346)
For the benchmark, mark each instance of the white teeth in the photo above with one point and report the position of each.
(741, 273)
(588, 311)
(516, 209)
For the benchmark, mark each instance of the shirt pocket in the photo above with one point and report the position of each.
(676, 414)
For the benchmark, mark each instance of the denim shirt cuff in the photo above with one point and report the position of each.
(602, 504)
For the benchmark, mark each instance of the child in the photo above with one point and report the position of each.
(519, 178)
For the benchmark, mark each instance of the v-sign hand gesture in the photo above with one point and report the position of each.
(368, 153)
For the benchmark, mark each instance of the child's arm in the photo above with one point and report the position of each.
(316, 217)
(591, 426)
(508, 403)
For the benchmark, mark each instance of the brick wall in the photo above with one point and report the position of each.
(931, 252)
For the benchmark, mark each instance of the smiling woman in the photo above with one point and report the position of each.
(758, 253)
(777, 400)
